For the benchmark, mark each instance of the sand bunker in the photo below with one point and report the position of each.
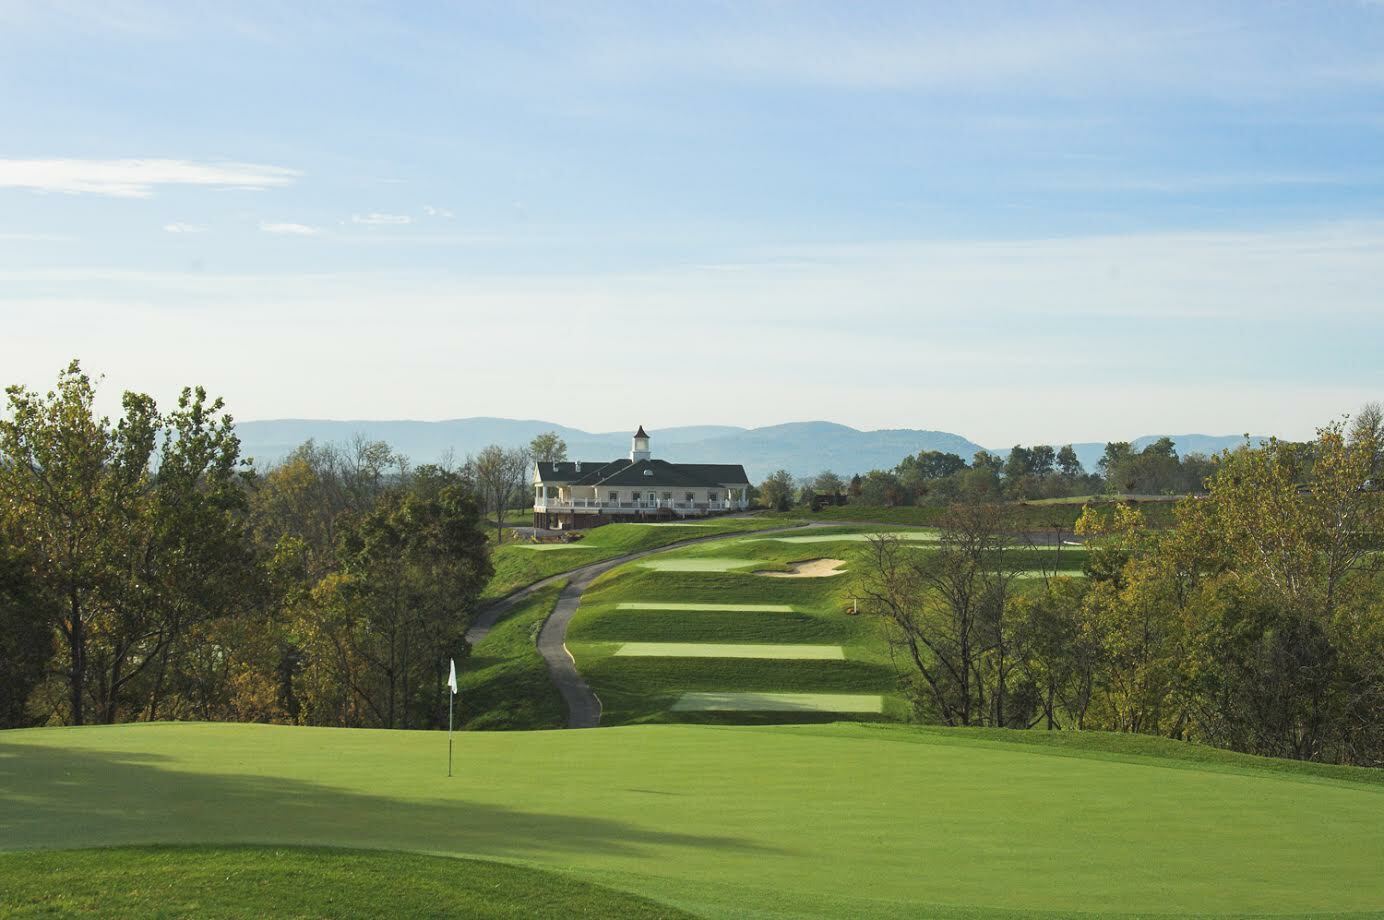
(812, 568)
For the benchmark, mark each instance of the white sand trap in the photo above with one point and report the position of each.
(695, 564)
(812, 568)
(718, 608)
(727, 650)
(911, 536)
(547, 546)
(779, 702)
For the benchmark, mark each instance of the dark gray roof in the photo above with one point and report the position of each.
(578, 472)
(625, 473)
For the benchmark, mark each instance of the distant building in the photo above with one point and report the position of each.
(580, 493)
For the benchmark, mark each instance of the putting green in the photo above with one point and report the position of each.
(737, 608)
(695, 564)
(910, 536)
(779, 702)
(731, 822)
(727, 650)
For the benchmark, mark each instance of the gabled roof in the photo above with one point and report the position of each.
(578, 472)
(651, 473)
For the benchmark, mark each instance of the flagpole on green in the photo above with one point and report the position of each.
(452, 686)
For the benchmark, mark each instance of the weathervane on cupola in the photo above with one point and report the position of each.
(640, 446)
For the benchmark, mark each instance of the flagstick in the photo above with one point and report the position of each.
(450, 697)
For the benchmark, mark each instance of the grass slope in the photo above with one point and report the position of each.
(517, 566)
(619, 608)
(236, 882)
(504, 682)
(775, 821)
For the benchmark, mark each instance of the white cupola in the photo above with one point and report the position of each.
(639, 447)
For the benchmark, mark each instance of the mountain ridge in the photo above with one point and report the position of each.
(803, 448)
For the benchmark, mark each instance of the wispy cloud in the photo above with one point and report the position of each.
(432, 211)
(36, 238)
(184, 228)
(289, 229)
(381, 219)
(136, 178)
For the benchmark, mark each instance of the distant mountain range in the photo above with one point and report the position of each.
(803, 448)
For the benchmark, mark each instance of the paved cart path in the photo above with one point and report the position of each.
(583, 706)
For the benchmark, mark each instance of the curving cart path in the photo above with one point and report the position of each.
(583, 706)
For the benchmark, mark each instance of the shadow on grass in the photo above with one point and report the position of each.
(58, 797)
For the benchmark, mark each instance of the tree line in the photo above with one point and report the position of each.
(1255, 622)
(148, 571)
(1039, 471)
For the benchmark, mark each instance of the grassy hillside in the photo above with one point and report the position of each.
(623, 607)
(767, 821)
(521, 564)
(504, 683)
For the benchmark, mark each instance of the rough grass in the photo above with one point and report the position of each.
(503, 683)
(842, 820)
(219, 883)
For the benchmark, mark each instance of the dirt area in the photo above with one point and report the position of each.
(812, 568)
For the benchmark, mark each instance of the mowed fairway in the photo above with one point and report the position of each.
(767, 821)
(696, 639)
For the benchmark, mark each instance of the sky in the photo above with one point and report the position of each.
(1017, 221)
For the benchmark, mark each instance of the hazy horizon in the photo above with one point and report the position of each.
(1074, 223)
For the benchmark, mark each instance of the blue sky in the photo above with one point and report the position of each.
(1017, 221)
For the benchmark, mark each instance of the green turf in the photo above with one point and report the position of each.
(517, 566)
(697, 564)
(730, 650)
(747, 822)
(675, 605)
(779, 702)
(504, 683)
(915, 536)
(250, 882)
(554, 547)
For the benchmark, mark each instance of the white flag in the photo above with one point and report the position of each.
(452, 679)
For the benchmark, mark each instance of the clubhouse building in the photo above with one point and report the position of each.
(575, 494)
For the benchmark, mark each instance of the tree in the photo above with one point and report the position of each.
(380, 631)
(548, 448)
(1042, 459)
(776, 492)
(26, 636)
(828, 483)
(500, 475)
(1068, 464)
(72, 484)
(947, 614)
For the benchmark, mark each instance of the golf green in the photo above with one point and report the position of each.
(696, 564)
(928, 536)
(773, 821)
(727, 650)
(779, 702)
(737, 608)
